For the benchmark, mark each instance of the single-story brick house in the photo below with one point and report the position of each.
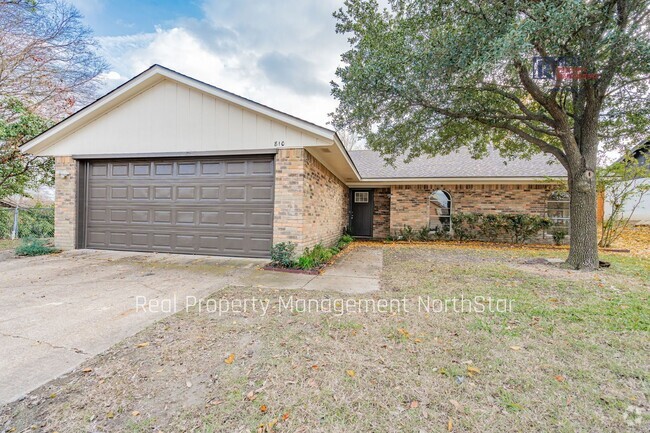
(167, 163)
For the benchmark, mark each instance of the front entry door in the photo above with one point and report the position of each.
(361, 203)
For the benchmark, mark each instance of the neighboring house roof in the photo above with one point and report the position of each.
(7, 203)
(641, 153)
(460, 164)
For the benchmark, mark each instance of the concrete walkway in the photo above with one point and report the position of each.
(356, 272)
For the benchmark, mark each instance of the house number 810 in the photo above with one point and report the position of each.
(279, 143)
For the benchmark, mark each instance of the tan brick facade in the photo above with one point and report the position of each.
(65, 215)
(325, 208)
(311, 204)
(381, 213)
(409, 204)
(289, 187)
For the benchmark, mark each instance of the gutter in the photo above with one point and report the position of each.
(366, 182)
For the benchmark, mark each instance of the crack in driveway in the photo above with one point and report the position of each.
(53, 346)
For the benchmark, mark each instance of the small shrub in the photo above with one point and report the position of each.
(282, 254)
(522, 227)
(407, 233)
(423, 234)
(320, 254)
(558, 236)
(34, 247)
(306, 262)
(315, 257)
(491, 226)
(465, 225)
(344, 242)
(346, 238)
(439, 233)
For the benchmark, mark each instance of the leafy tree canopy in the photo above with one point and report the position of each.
(19, 171)
(48, 67)
(430, 76)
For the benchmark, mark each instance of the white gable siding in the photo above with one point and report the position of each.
(172, 117)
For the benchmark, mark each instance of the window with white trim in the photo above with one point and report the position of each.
(557, 209)
(440, 211)
(361, 196)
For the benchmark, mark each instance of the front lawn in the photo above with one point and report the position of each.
(571, 356)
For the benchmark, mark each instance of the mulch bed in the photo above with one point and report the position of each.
(293, 270)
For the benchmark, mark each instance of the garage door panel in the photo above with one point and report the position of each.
(249, 245)
(219, 206)
(224, 193)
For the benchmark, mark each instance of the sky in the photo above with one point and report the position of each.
(281, 53)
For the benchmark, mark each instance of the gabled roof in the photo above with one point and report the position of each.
(145, 80)
(460, 164)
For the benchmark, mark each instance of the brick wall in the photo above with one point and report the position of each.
(65, 210)
(288, 206)
(409, 204)
(325, 206)
(311, 204)
(381, 213)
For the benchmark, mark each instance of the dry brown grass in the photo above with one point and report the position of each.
(9, 244)
(571, 357)
(636, 239)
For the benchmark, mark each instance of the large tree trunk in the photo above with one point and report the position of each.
(583, 253)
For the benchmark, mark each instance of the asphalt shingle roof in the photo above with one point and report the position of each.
(371, 165)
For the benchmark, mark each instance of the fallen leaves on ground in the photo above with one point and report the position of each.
(404, 332)
(230, 359)
(350, 373)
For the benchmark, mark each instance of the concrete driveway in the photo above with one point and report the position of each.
(57, 311)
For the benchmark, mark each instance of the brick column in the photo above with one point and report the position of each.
(289, 196)
(65, 214)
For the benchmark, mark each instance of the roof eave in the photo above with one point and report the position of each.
(457, 180)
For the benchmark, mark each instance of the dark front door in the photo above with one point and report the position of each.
(361, 203)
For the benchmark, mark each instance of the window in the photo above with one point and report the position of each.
(557, 209)
(361, 197)
(440, 211)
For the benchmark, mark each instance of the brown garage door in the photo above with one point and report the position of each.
(217, 206)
